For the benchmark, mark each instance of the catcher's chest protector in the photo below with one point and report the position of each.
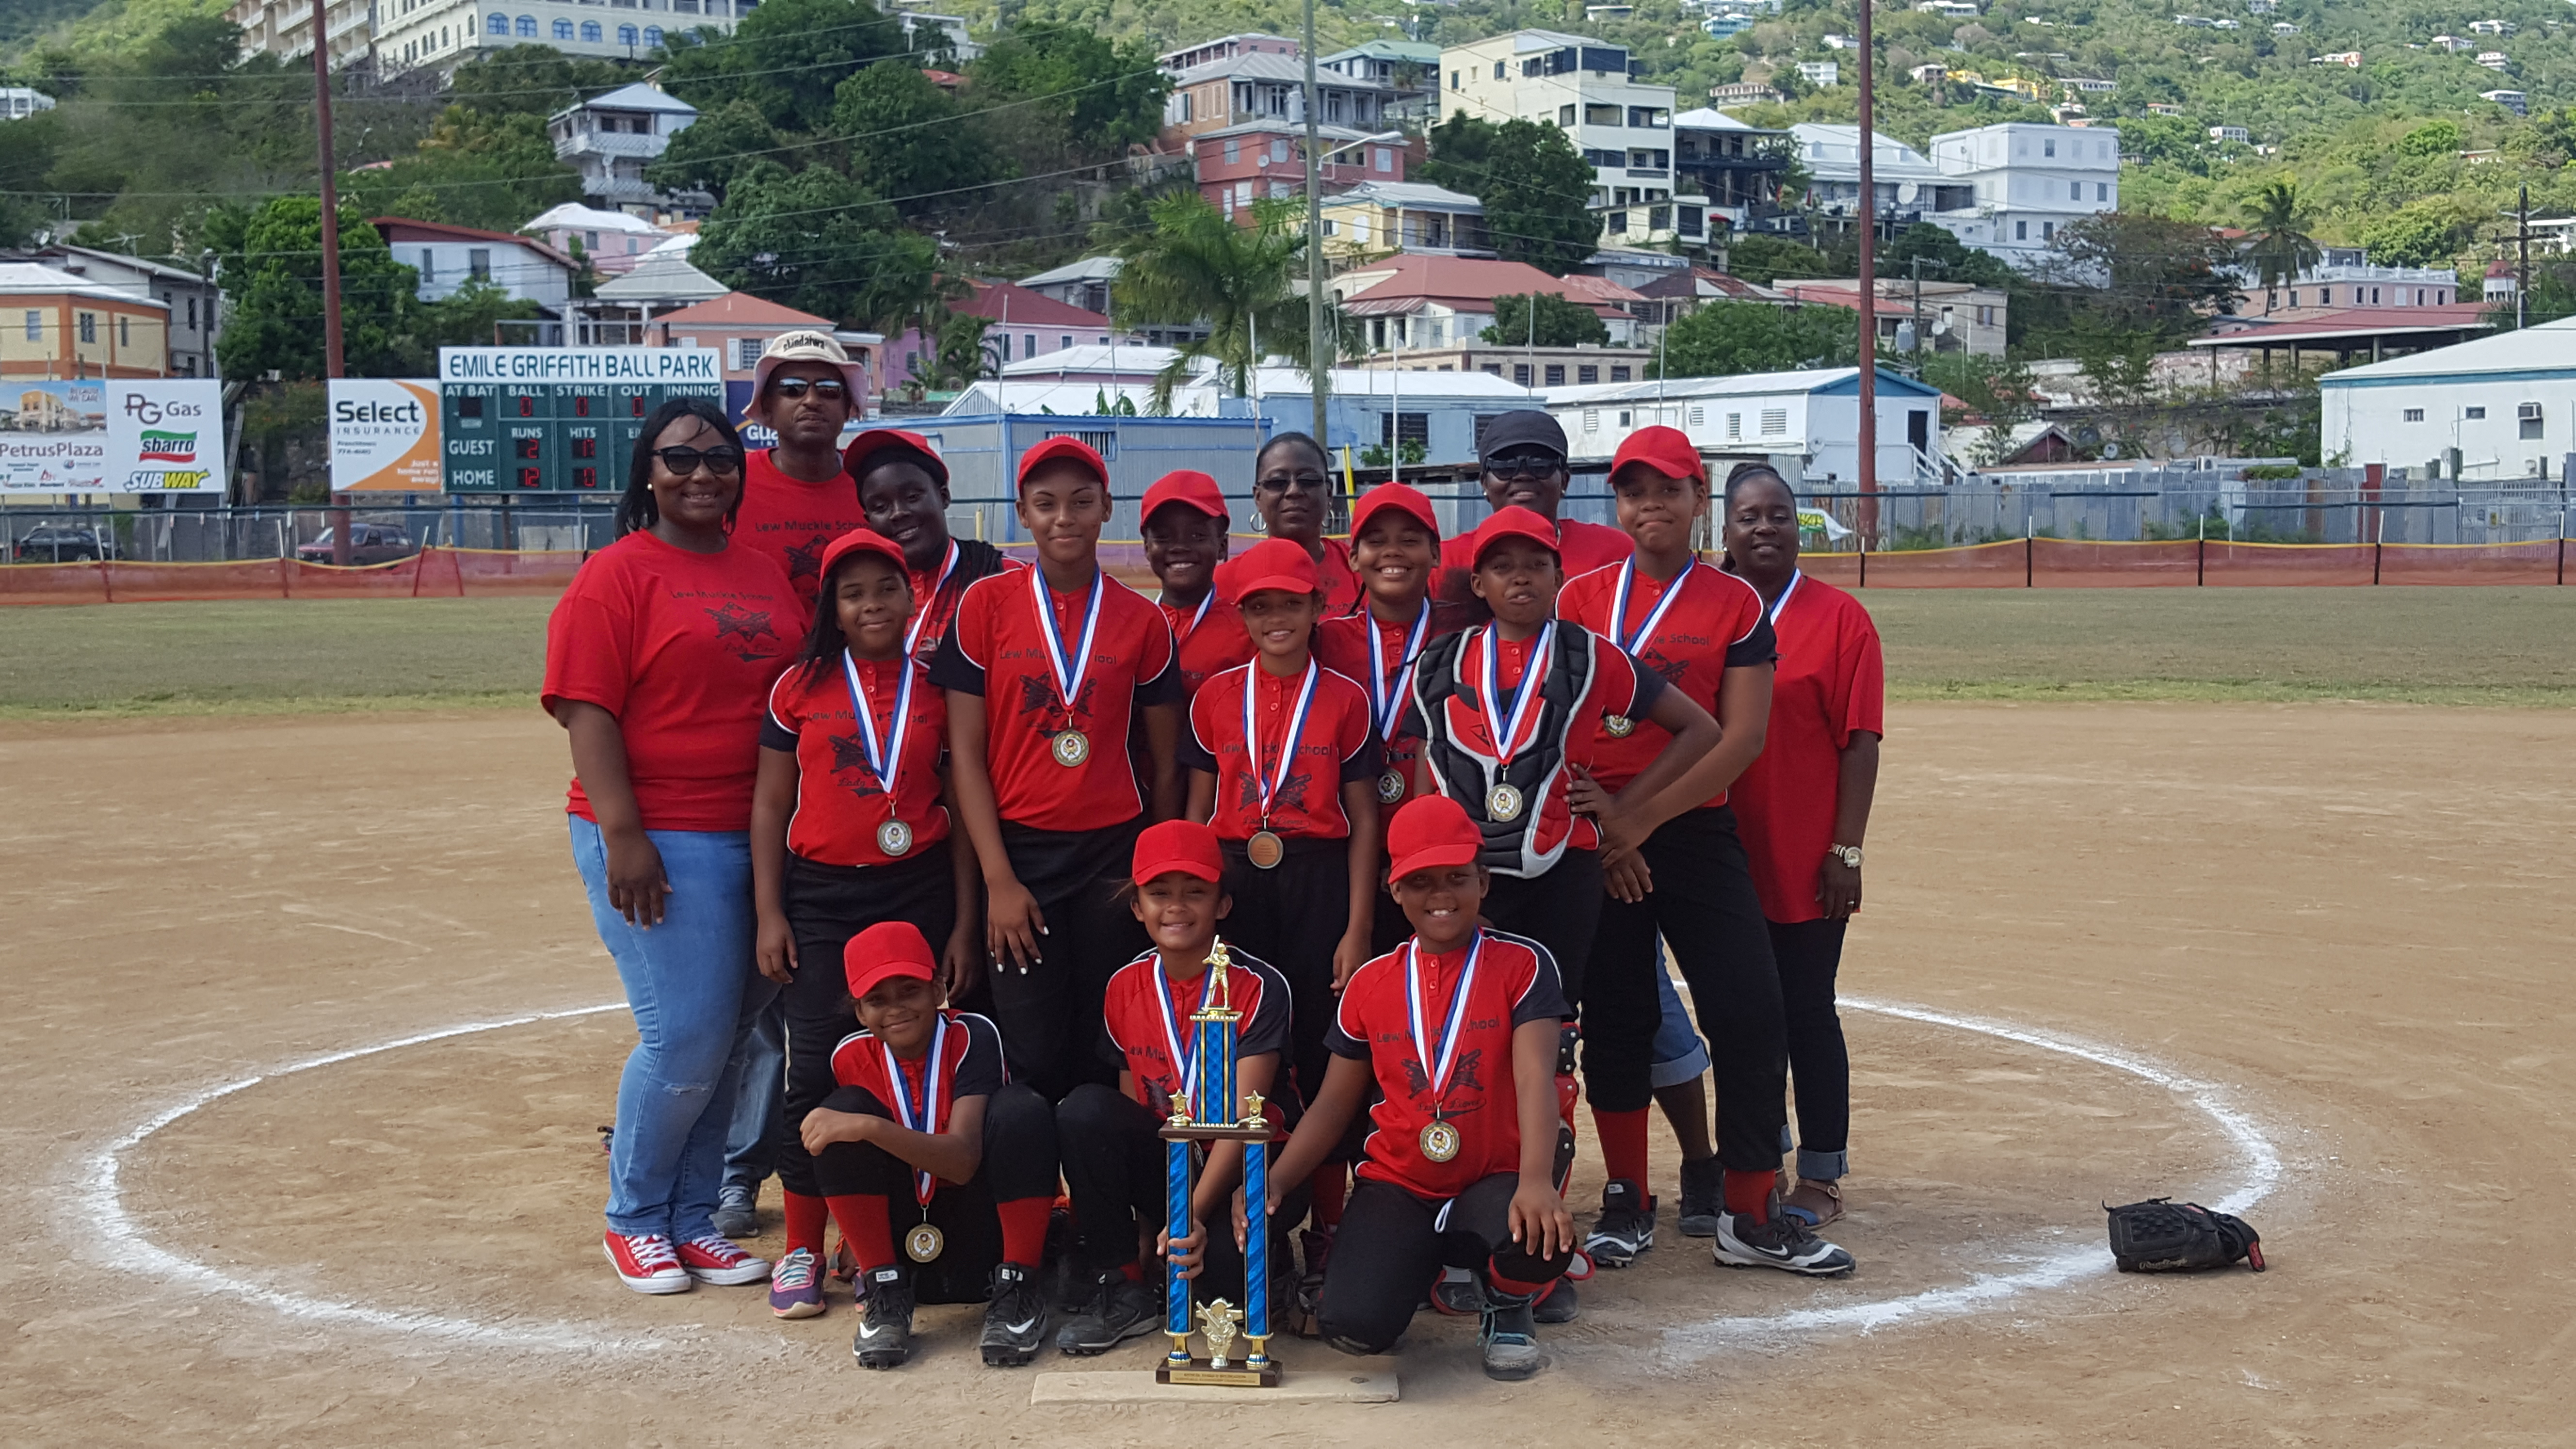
(1442, 680)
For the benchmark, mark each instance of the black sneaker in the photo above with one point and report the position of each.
(884, 1339)
(1121, 1309)
(1068, 1287)
(1625, 1228)
(1558, 1304)
(1015, 1321)
(1703, 1197)
(1783, 1242)
(1509, 1337)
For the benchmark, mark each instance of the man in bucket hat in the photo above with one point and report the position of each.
(795, 496)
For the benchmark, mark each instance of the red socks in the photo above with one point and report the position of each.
(1749, 1193)
(865, 1228)
(1329, 1188)
(1623, 1143)
(805, 1218)
(1513, 1286)
(1024, 1226)
(1135, 1271)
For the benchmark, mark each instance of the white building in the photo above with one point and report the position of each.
(1909, 187)
(610, 139)
(1805, 423)
(2024, 182)
(19, 102)
(2503, 402)
(1824, 75)
(284, 28)
(926, 31)
(2346, 277)
(446, 33)
(447, 257)
(613, 241)
(1621, 125)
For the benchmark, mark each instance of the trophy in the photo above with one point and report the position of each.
(1202, 1112)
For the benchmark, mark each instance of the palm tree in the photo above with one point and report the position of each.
(2283, 250)
(1195, 264)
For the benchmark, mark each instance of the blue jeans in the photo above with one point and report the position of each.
(1679, 1056)
(692, 986)
(760, 1098)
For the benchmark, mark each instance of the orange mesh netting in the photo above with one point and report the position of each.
(2540, 562)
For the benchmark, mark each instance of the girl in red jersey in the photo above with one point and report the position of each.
(1805, 805)
(850, 826)
(903, 487)
(1113, 1153)
(1292, 484)
(1676, 869)
(1458, 1030)
(657, 659)
(1044, 669)
(1186, 543)
(795, 498)
(925, 1136)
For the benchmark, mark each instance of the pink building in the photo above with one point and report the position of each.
(1025, 324)
(1241, 164)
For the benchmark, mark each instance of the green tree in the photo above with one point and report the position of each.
(2125, 272)
(911, 141)
(1945, 259)
(787, 58)
(1536, 188)
(820, 242)
(532, 80)
(2433, 138)
(476, 168)
(1073, 85)
(1198, 264)
(1762, 259)
(463, 318)
(1725, 338)
(2431, 232)
(271, 259)
(2283, 250)
(24, 164)
(1557, 322)
(716, 147)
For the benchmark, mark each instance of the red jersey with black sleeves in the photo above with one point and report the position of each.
(841, 805)
(1355, 643)
(997, 649)
(1334, 745)
(970, 1066)
(1132, 1024)
(1210, 636)
(937, 589)
(681, 647)
(1515, 983)
(1830, 685)
(792, 520)
(1714, 622)
(1581, 547)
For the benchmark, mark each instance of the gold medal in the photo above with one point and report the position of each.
(1503, 802)
(1439, 1141)
(1265, 850)
(1390, 787)
(894, 837)
(1618, 726)
(925, 1243)
(1071, 748)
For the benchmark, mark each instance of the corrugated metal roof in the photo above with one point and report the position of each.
(2542, 347)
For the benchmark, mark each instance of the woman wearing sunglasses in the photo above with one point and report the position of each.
(795, 497)
(1292, 483)
(658, 660)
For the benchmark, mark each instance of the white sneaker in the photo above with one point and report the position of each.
(646, 1262)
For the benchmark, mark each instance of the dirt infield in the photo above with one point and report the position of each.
(2353, 920)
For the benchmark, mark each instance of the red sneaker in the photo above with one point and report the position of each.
(716, 1260)
(646, 1263)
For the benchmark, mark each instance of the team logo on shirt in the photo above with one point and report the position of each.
(1671, 670)
(850, 758)
(752, 625)
(1290, 795)
(1418, 1082)
(1038, 705)
(805, 560)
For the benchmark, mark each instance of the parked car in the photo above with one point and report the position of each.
(61, 543)
(369, 543)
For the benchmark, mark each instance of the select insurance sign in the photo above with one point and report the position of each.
(557, 419)
(384, 435)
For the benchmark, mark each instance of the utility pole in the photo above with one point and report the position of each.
(1319, 348)
(335, 364)
(1868, 436)
(1918, 318)
(2522, 265)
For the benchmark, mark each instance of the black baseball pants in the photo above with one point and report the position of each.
(1809, 954)
(1292, 916)
(1115, 1169)
(1393, 1244)
(1019, 1162)
(1704, 907)
(1560, 910)
(1050, 1014)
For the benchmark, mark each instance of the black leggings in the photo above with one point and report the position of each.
(1050, 1014)
(827, 905)
(1292, 916)
(1704, 907)
(1558, 910)
(1019, 1162)
(1114, 1168)
(1393, 1244)
(1809, 953)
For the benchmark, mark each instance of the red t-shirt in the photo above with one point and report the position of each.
(1581, 547)
(1350, 644)
(971, 1066)
(935, 592)
(1515, 984)
(996, 650)
(681, 647)
(792, 520)
(1335, 747)
(1715, 624)
(840, 803)
(1211, 638)
(1340, 580)
(1830, 682)
(1131, 1025)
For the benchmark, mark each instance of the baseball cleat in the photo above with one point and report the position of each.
(1015, 1321)
(1625, 1228)
(1703, 1197)
(1783, 1243)
(884, 1337)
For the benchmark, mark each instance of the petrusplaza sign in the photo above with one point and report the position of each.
(164, 435)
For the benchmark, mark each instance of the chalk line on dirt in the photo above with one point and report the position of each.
(111, 1232)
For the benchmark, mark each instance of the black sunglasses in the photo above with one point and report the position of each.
(792, 388)
(684, 461)
(1311, 482)
(1524, 465)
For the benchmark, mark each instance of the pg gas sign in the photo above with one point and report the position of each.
(164, 435)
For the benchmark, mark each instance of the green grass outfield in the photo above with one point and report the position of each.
(2494, 646)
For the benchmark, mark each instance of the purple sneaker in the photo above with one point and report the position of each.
(795, 1286)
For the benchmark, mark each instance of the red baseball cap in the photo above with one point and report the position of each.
(1054, 448)
(1431, 830)
(1517, 522)
(893, 440)
(1403, 497)
(1668, 451)
(1189, 488)
(1273, 563)
(884, 951)
(861, 540)
(1178, 845)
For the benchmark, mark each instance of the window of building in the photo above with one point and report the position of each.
(590, 31)
(1565, 115)
(1588, 372)
(2475, 415)
(563, 30)
(1985, 316)
(746, 353)
(1498, 70)
(2047, 230)
(2075, 191)
(1619, 372)
(1614, 221)
(2048, 148)
(2528, 415)
(2101, 191)
(1735, 425)
(1453, 80)
(1556, 374)
(652, 35)
(2414, 415)
(1520, 374)
(124, 332)
(1278, 148)
(1233, 153)
(627, 35)
(89, 327)
(2374, 296)
(497, 23)
(1658, 218)
(1690, 221)
(1601, 115)
(1028, 344)
(1063, 341)
(1383, 159)
(1775, 422)
(1403, 428)
(478, 264)
(192, 314)
(1591, 421)
(35, 326)
(2021, 231)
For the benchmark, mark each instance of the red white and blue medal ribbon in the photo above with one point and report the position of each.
(1384, 691)
(1619, 634)
(1068, 671)
(921, 1116)
(1782, 602)
(1267, 782)
(1437, 1058)
(1198, 617)
(884, 754)
(1507, 729)
(1184, 1064)
(927, 605)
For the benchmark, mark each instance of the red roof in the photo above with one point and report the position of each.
(741, 309)
(1017, 305)
(403, 228)
(1472, 284)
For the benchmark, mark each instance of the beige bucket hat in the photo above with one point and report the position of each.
(803, 345)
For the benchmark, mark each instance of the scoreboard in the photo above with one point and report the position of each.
(557, 419)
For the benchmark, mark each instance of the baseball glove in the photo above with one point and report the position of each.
(2163, 1236)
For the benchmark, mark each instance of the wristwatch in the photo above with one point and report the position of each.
(1847, 854)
